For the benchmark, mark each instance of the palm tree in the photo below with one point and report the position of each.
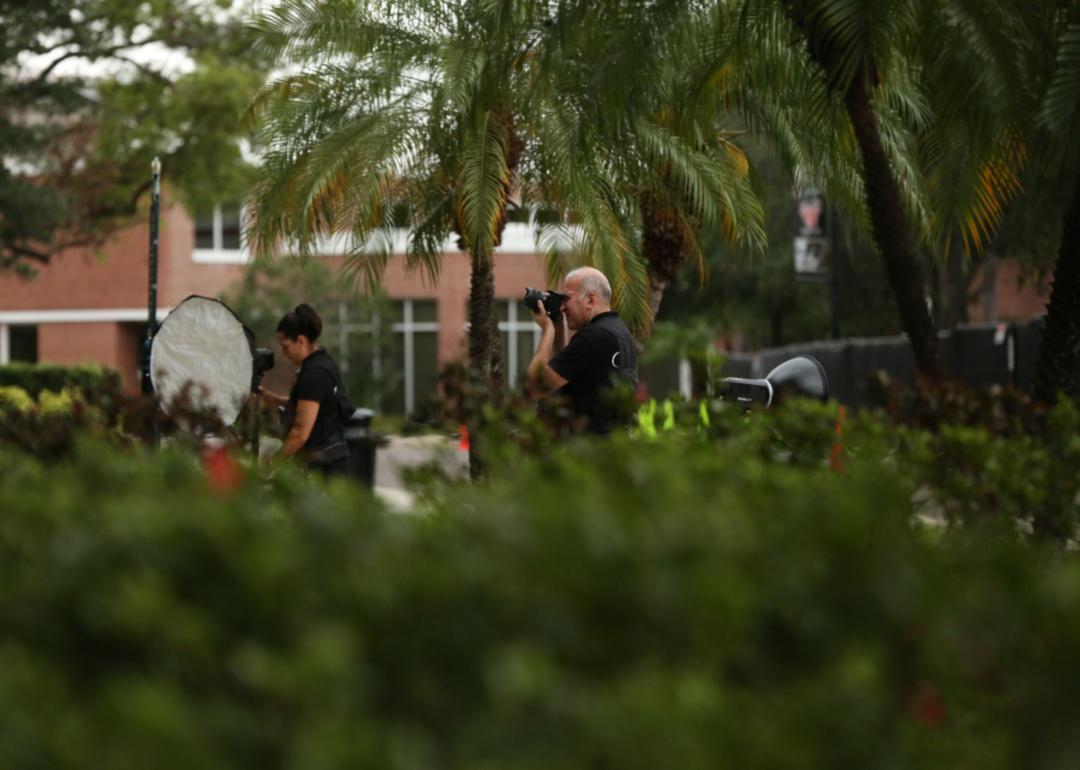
(644, 86)
(921, 87)
(437, 116)
(394, 115)
(432, 116)
(1058, 370)
(429, 116)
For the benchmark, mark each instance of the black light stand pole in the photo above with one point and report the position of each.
(834, 274)
(151, 313)
(255, 428)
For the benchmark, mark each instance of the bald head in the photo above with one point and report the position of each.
(590, 280)
(588, 294)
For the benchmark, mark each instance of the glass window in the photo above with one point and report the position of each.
(393, 375)
(424, 311)
(526, 343)
(395, 312)
(219, 228)
(386, 366)
(426, 363)
(204, 230)
(23, 343)
(230, 226)
(362, 312)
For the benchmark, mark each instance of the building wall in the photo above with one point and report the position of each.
(116, 276)
(95, 342)
(113, 277)
(179, 274)
(1007, 294)
(91, 304)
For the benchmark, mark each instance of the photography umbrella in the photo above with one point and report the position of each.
(203, 348)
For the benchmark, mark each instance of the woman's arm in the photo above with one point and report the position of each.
(306, 412)
(272, 399)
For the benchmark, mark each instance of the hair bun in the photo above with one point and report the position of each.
(301, 320)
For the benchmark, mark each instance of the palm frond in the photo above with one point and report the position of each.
(481, 186)
(1059, 110)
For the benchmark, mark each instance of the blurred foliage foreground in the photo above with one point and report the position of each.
(785, 589)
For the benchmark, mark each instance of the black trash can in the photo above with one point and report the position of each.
(361, 443)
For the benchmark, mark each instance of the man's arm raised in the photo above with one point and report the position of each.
(541, 379)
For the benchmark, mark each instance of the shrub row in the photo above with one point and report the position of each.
(89, 379)
(686, 602)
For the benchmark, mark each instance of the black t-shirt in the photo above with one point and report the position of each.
(316, 381)
(601, 353)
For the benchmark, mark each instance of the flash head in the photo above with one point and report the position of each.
(799, 376)
(262, 363)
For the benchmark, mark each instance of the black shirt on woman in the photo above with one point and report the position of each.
(319, 380)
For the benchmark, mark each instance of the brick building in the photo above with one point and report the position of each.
(91, 306)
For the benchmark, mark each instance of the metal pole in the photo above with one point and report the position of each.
(151, 313)
(834, 277)
(256, 426)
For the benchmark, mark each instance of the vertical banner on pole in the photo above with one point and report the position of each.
(814, 249)
(811, 246)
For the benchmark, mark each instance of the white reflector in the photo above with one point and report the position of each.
(203, 343)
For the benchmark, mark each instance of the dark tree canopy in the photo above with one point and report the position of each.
(91, 91)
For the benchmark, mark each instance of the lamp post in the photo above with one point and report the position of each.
(151, 313)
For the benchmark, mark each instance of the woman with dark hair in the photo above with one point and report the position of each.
(318, 404)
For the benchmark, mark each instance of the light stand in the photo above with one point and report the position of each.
(151, 313)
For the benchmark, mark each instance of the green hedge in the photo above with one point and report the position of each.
(969, 458)
(34, 378)
(680, 603)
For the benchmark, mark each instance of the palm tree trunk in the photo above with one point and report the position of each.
(483, 344)
(892, 233)
(481, 310)
(1059, 359)
(657, 284)
(485, 352)
(662, 249)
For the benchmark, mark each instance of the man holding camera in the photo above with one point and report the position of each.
(601, 352)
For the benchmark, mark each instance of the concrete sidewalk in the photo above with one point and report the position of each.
(402, 452)
(398, 500)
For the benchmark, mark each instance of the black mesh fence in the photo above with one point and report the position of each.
(980, 355)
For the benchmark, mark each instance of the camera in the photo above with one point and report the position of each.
(552, 301)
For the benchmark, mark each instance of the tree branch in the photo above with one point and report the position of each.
(103, 53)
(12, 252)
